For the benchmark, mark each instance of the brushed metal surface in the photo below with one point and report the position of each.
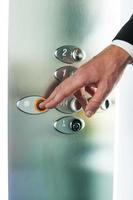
(44, 164)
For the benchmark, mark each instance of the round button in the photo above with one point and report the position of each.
(106, 104)
(75, 106)
(78, 54)
(37, 103)
(76, 125)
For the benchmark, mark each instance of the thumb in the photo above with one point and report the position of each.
(95, 102)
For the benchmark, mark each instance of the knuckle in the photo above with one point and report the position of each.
(95, 104)
(60, 96)
(81, 80)
(107, 83)
(56, 99)
(80, 74)
(60, 87)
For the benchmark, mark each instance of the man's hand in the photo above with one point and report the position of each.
(97, 77)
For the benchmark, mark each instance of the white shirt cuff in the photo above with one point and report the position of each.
(124, 45)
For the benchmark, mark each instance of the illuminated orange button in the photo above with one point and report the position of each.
(37, 102)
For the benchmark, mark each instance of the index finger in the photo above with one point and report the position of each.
(63, 90)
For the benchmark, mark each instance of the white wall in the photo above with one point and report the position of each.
(124, 148)
(126, 10)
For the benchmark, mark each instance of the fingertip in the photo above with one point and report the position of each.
(89, 113)
(42, 105)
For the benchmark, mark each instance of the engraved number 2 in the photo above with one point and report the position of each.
(64, 52)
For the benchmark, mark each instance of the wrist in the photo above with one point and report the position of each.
(121, 55)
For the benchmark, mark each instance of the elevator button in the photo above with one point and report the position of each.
(76, 125)
(64, 72)
(69, 105)
(77, 54)
(106, 104)
(30, 105)
(69, 125)
(37, 103)
(69, 54)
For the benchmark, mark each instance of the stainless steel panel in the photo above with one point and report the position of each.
(43, 163)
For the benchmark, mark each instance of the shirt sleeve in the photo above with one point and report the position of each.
(124, 45)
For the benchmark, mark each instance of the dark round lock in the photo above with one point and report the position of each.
(76, 125)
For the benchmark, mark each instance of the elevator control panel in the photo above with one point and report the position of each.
(69, 54)
(69, 125)
(30, 105)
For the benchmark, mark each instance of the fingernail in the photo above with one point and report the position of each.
(89, 113)
(42, 105)
(47, 106)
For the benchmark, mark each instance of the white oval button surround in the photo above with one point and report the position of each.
(30, 104)
(69, 125)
